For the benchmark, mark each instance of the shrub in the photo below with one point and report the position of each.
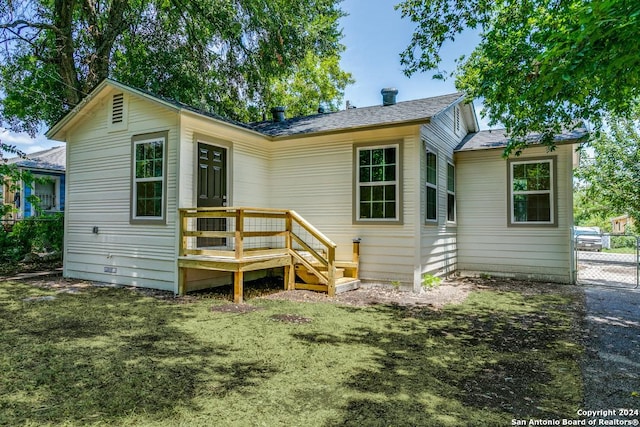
(623, 242)
(35, 234)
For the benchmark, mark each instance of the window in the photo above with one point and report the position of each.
(532, 190)
(45, 190)
(149, 177)
(432, 187)
(451, 192)
(378, 193)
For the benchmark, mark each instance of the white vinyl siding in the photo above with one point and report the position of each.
(439, 241)
(99, 176)
(315, 177)
(486, 242)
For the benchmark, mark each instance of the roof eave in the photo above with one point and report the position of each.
(536, 144)
(415, 122)
(187, 111)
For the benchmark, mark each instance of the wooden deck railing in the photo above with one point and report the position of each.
(253, 232)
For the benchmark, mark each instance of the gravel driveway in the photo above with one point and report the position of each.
(612, 361)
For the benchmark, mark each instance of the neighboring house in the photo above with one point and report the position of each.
(48, 170)
(621, 224)
(416, 181)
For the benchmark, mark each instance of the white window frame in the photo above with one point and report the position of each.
(433, 186)
(551, 191)
(136, 141)
(452, 193)
(359, 185)
(56, 189)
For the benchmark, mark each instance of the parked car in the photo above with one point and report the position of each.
(587, 238)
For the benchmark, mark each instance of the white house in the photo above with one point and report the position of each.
(155, 190)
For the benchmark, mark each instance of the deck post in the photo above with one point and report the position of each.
(239, 250)
(289, 270)
(182, 280)
(182, 239)
(356, 256)
(238, 284)
(289, 277)
(331, 271)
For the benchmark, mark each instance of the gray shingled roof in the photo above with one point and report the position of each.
(497, 138)
(54, 159)
(402, 112)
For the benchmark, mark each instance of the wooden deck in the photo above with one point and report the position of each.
(261, 239)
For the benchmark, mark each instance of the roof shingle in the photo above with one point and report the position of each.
(401, 112)
(497, 138)
(54, 159)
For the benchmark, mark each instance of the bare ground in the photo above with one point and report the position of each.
(451, 291)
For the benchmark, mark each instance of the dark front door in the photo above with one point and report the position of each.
(212, 190)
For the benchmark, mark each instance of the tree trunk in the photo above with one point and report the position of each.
(63, 21)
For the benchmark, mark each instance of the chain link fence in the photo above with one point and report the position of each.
(607, 260)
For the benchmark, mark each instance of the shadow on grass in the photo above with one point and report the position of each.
(495, 358)
(102, 356)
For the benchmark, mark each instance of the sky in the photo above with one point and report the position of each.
(374, 35)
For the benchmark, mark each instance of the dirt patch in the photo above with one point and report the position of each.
(451, 291)
(234, 308)
(290, 318)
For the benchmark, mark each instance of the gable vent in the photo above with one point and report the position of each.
(117, 112)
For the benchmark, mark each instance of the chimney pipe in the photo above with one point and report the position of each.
(278, 114)
(389, 95)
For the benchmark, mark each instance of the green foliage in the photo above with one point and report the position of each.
(232, 58)
(542, 65)
(430, 281)
(610, 172)
(10, 175)
(32, 235)
(623, 242)
(590, 212)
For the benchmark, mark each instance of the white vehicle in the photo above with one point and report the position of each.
(587, 238)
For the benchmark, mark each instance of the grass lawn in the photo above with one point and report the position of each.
(620, 251)
(109, 356)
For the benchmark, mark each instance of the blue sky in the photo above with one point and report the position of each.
(374, 35)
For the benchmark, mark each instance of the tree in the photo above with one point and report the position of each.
(542, 65)
(611, 174)
(225, 56)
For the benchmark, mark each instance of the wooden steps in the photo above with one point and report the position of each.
(346, 277)
(343, 284)
(307, 256)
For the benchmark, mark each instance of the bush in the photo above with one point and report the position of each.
(623, 242)
(35, 234)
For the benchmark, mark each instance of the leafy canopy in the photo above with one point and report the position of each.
(541, 65)
(611, 174)
(231, 57)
